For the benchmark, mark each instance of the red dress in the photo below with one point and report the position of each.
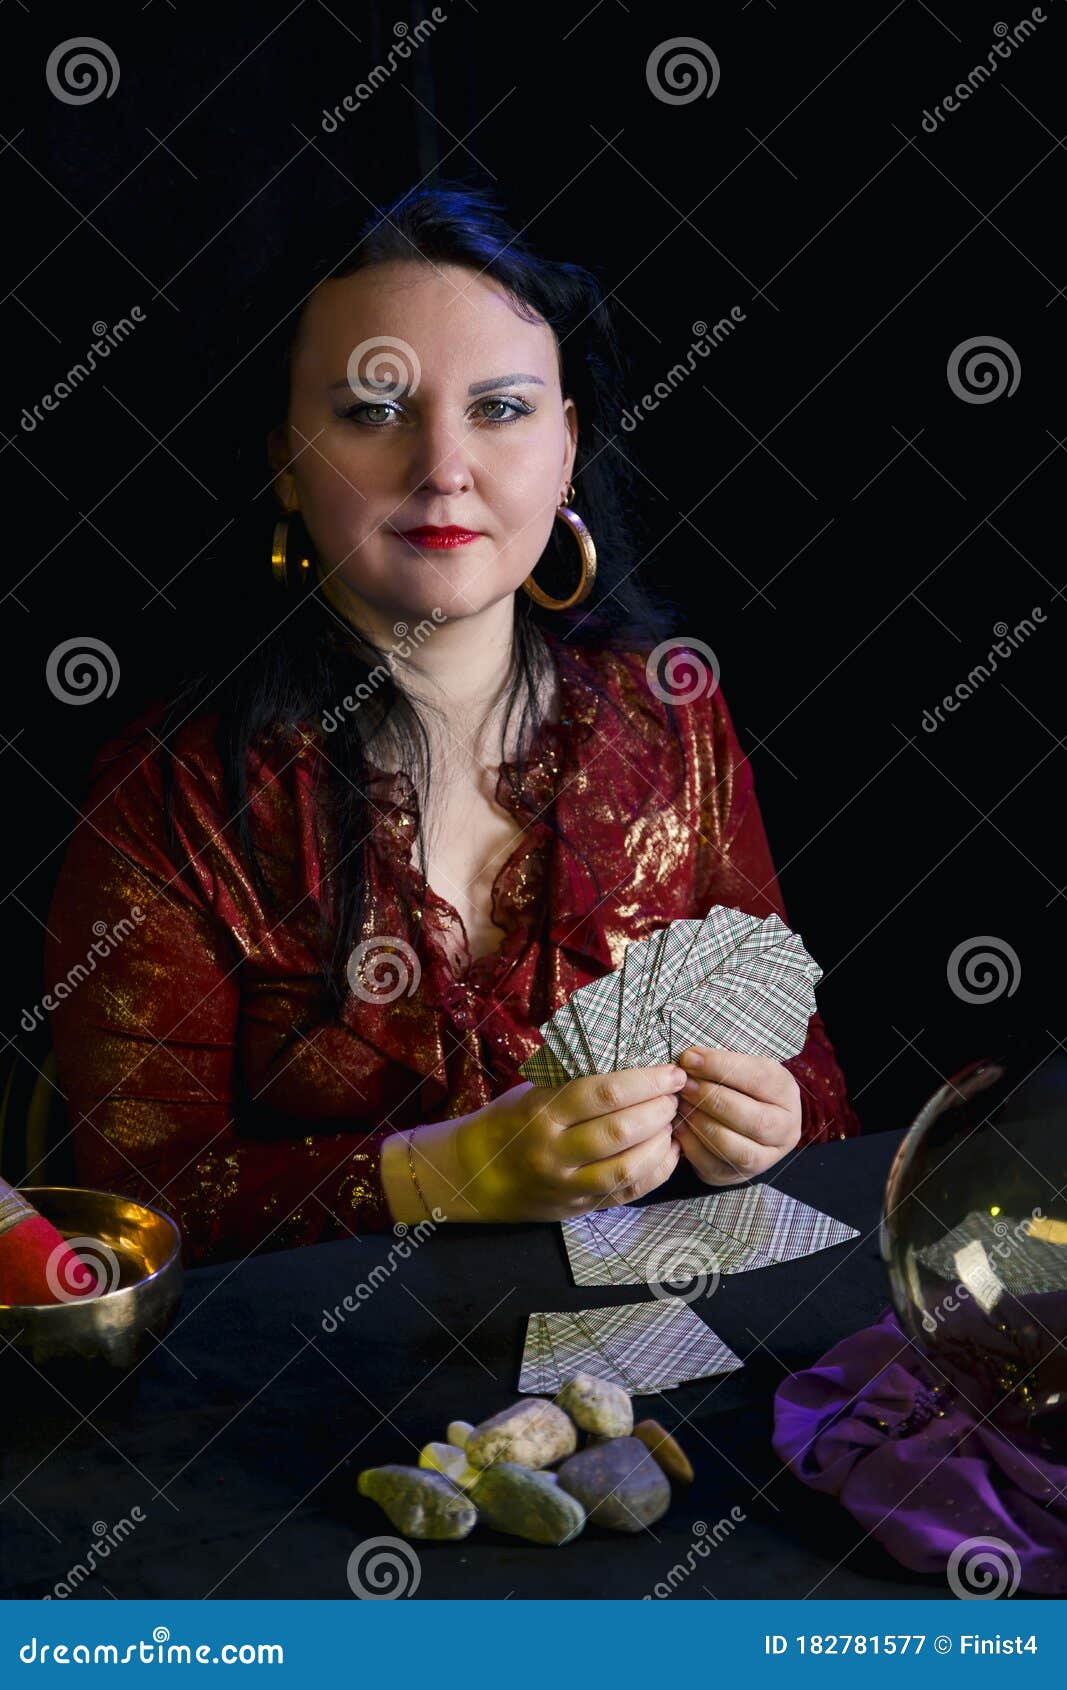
(205, 1072)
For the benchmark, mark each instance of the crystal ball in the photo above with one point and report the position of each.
(974, 1237)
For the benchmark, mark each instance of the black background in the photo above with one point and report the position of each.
(832, 519)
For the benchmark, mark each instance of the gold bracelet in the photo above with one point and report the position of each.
(415, 1179)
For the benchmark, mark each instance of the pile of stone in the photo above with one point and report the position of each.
(521, 1471)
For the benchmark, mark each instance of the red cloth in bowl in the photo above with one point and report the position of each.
(36, 1264)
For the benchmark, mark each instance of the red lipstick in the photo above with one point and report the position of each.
(440, 537)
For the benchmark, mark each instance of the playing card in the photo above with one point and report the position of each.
(764, 1013)
(644, 1026)
(633, 984)
(1023, 1260)
(598, 1006)
(653, 1045)
(730, 980)
(640, 1346)
(544, 1069)
(577, 1037)
(557, 1034)
(586, 1252)
(715, 1234)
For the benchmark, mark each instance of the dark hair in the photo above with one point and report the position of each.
(306, 661)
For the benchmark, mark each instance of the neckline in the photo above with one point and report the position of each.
(525, 797)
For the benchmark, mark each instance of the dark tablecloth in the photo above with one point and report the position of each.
(240, 1438)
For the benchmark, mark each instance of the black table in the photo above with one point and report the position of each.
(240, 1438)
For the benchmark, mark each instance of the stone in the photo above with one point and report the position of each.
(443, 1458)
(459, 1432)
(618, 1484)
(465, 1475)
(527, 1503)
(532, 1433)
(419, 1503)
(665, 1450)
(596, 1405)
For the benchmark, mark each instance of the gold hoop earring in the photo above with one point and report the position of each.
(288, 573)
(290, 564)
(588, 551)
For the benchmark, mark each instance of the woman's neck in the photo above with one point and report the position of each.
(460, 670)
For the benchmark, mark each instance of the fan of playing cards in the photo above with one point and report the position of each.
(640, 1346)
(702, 1238)
(732, 981)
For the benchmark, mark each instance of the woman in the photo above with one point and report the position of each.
(310, 1028)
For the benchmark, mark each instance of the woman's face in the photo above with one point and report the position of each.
(420, 398)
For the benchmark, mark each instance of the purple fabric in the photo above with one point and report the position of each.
(912, 1463)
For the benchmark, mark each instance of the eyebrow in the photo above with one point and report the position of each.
(475, 387)
(502, 381)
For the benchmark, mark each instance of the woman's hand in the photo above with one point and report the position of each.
(540, 1153)
(737, 1114)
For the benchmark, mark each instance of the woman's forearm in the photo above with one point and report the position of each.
(437, 1169)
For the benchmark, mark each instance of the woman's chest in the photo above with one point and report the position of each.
(470, 839)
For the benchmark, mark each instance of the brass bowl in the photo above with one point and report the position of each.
(136, 1253)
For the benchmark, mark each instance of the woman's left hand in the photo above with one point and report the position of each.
(737, 1114)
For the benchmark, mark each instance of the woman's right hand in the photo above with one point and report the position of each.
(540, 1153)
